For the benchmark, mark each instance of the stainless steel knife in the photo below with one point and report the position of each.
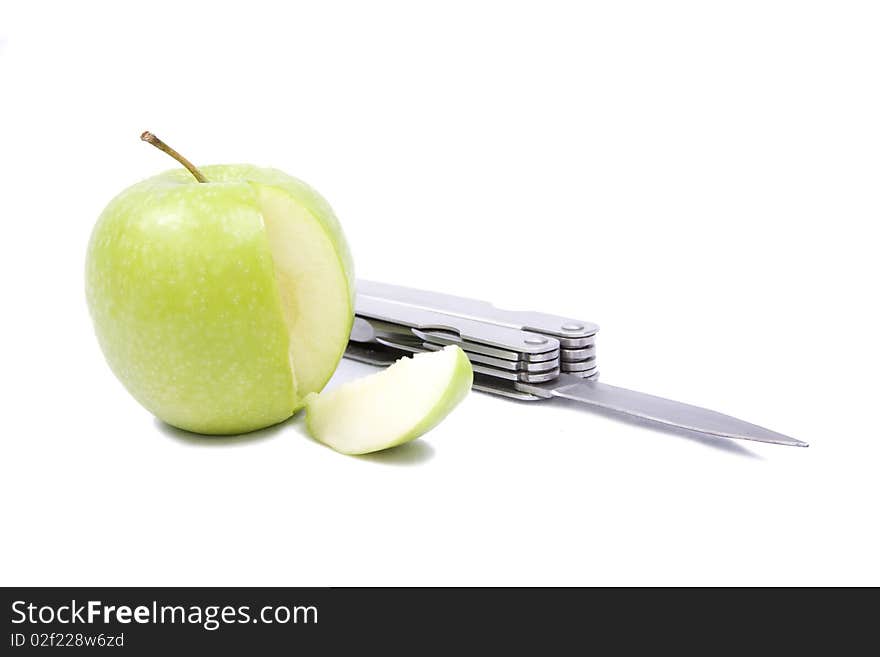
(524, 355)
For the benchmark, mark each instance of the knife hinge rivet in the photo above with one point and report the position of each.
(571, 326)
(535, 340)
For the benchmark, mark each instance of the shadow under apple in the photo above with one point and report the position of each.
(411, 453)
(204, 440)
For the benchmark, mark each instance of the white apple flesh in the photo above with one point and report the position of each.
(393, 406)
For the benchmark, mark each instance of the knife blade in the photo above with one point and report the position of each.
(655, 409)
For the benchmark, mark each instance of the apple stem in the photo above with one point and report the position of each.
(150, 138)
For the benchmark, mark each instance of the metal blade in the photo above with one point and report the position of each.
(629, 402)
(656, 409)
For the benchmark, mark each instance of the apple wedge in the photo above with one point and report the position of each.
(393, 406)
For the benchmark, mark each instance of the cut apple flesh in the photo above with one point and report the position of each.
(315, 297)
(393, 406)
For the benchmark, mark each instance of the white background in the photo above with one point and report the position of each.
(701, 179)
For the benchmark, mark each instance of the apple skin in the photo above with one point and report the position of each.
(182, 289)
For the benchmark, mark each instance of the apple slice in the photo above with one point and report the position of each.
(393, 406)
(316, 296)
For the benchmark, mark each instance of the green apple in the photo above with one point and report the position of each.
(393, 406)
(220, 305)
